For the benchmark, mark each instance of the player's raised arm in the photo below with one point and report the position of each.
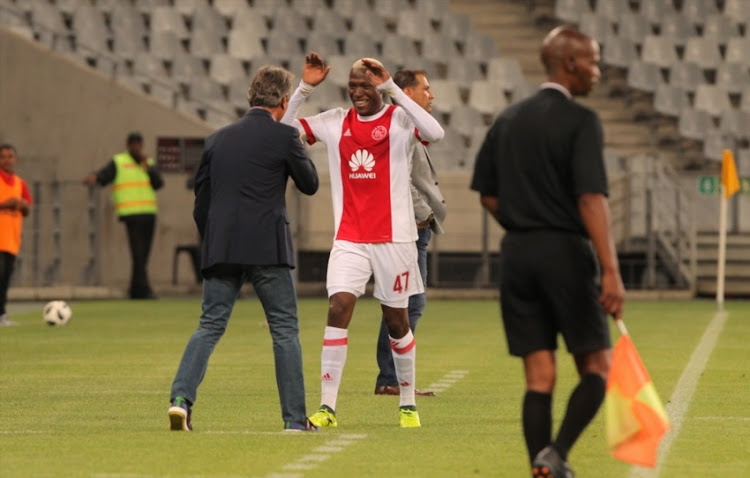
(428, 127)
(314, 72)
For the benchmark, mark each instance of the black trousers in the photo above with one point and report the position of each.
(7, 262)
(140, 229)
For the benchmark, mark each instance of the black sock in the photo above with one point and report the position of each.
(537, 421)
(582, 407)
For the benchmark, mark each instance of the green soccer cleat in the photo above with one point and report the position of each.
(408, 417)
(324, 417)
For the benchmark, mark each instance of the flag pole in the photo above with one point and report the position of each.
(621, 326)
(720, 273)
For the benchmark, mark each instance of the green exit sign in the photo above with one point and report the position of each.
(708, 185)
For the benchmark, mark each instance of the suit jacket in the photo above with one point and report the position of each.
(425, 193)
(240, 186)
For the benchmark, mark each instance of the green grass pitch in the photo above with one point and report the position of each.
(90, 399)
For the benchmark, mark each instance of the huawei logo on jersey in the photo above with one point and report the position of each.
(362, 159)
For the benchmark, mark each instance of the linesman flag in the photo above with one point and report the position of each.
(729, 178)
(635, 418)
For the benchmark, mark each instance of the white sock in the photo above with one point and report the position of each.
(332, 361)
(404, 358)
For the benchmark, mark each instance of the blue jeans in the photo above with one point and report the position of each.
(275, 289)
(387, 375)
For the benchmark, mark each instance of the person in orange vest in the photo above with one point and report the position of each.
(134, 179)
(15, 204)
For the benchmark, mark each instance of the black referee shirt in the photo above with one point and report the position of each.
(537, 158)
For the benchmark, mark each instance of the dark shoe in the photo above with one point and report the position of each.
(179, 415)
(423, 393)
(396, 390)
(387, 390)
(300, 426)
(549, 464)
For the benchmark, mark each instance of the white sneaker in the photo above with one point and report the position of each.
(6, 322)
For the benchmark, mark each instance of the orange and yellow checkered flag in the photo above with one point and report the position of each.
(635, 417)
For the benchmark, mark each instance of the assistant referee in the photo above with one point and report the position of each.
(540, 173)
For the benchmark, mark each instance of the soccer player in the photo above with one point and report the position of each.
(369, 161)
(540, 173)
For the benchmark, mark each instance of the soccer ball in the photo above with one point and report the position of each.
(57, 313)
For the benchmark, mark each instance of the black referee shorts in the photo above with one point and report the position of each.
(549, 284)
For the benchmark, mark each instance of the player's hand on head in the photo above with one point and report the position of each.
(315, 69)
(376, 71)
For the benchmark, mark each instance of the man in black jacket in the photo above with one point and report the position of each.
(241, 215)
(540, 173)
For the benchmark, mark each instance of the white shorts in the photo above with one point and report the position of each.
(394, 265)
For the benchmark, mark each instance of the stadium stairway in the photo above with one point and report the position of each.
(518, 33)
(737, 283)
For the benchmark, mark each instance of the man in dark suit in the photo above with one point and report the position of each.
(241, 215)
(540, 173)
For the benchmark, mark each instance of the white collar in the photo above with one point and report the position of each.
(558, 87)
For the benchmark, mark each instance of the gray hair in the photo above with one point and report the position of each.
(269, 86)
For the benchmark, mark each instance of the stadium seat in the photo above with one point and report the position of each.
(644, 76)
(206, 19)
(613, 162)
(447, 95)
(737, 51)
(237, 93)
(290, 23)
(432, 9)
(330, 22)
(735, 123)
(323, 43)
(150, 67)
(205, 43)
(127, 45)
(165, 45)
(720, 28)
(108, 6)
(224, 69)
(359, 45)
(619, 52)
(266, 8)
(677, 27)
(413, 24)
(571, 10)
(698, 10)
(250, 22)
(399, 49)
(732, 77)
(70, 6)
(146, 6)
(455, 25)
(745, 98)
(163, 92)
(349, 8)
(487, 97)
(659, 51)
(309, 8)
(15, 21)
(390, 10)
(655, 10)
(596, 26)
(612, 10)
(704, 52)
(685, 75)
(438, 47)
(129, 21)
(187, 8)
(738, 10)
(743, 162)
(463, 71)
(366, 23)
(523, 91)
(340, 66)
(47, 16)
(230, 8)
(694, 124)
(714, 145)
(634, 27)
(465, 119)
(167, 19)
(244, 44)
(283, 45)
(480, 47)
(670, 100)
(187, 69)
(506, 72)
(711, 99)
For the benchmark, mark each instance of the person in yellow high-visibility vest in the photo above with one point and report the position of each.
(15, 203)
(134, 179)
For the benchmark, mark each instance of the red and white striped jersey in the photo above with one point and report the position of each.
(370, 163)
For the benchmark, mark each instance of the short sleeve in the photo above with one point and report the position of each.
(484, 180)
(25, 193)
(322, 127)
(588, 172)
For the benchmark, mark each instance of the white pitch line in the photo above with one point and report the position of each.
(723, 419)
(448, 380)
(683, 392)
(324, 453)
